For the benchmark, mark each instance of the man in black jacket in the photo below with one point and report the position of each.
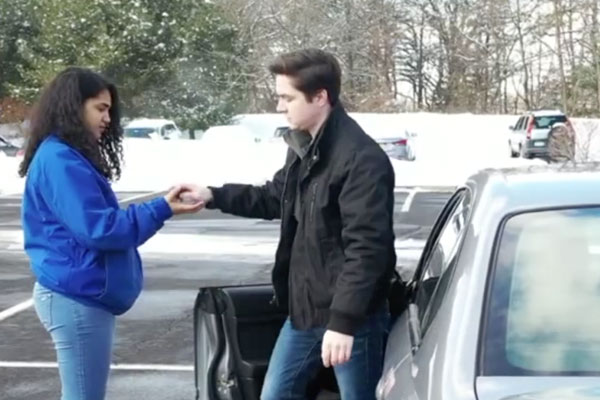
(335, 259)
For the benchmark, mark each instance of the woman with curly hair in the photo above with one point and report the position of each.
(82, 247)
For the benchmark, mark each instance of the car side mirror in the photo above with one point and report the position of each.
(512, 127)
(414, 327)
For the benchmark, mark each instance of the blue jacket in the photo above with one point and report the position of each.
(80, 243)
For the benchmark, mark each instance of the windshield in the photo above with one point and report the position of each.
(547, 122)
(139, 132)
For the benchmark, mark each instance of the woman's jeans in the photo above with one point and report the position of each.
(83, 339)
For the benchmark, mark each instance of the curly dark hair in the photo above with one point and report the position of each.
(59, 111)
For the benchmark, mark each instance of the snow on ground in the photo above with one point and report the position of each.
(449, 148)
(157, 165)
(9, 178)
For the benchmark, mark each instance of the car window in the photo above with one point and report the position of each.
(170, 127)
(280, 131)
(449, 245)
(139, 132)
(519, 125)
(440, 259)
(548, 121)
(543, 295)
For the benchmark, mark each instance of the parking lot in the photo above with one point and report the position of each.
(153, 355)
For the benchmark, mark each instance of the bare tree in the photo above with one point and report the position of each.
(558, 17)
(452, 55)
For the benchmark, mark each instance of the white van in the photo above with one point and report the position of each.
(153, 129)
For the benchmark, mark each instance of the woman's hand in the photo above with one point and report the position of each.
(178, 206)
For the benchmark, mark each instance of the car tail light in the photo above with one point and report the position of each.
(529, 128)
(21, 152)
(401, 142)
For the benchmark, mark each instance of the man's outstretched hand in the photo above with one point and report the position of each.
(179, 205)
(194, 193)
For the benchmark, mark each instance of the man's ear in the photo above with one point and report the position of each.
(321, 97)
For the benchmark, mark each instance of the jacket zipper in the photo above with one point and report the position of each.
(312, 201)
(281, 205)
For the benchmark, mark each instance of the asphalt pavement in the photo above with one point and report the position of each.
(153, 355)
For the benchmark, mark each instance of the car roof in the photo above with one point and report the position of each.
(148, 123)
(548, 186)
(545, 113)
(223, 131)
(261, 125)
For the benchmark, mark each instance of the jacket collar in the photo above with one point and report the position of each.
(323, 138)
(326, 130)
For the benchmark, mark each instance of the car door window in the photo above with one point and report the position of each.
(440, 259)
(542, 296)
(525, 123)
(518, 124)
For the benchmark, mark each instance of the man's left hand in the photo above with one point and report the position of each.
(336, 349)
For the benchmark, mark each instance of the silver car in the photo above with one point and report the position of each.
(397, 142)
(8, 148)
(504, 299)
(388, 131)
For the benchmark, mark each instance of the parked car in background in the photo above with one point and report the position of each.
(387, 131)
(279, 131)
(9, 148)
(262, 125)
(533, 133)
(153, 129)
(499, 304)
(229, 136)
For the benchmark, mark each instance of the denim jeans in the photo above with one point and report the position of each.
(296, 359)
(83, 339)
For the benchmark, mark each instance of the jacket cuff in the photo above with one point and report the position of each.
(161, 209)
(344, 323)
(216, 194)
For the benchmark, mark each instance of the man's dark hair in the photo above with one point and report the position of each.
(59, 111)
(311, 70)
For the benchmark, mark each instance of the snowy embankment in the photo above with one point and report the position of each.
(449, 148)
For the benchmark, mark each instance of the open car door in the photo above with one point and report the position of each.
(235, 329)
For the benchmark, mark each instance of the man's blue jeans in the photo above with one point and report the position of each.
(296, 359)
(83, 339)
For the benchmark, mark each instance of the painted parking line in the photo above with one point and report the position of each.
(116, 367)
(29, 303)
(408, 201)
(15, 309)
(141, 196)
